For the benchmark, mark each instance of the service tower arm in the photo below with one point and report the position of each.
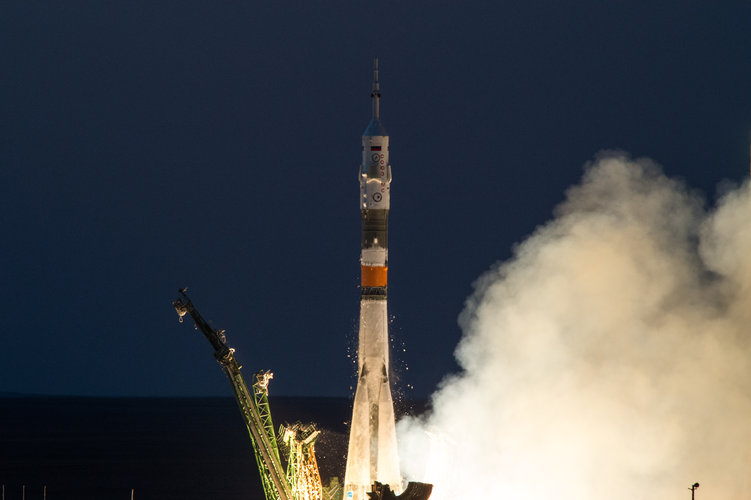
(253, 406)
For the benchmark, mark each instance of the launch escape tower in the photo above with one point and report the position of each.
(302, 480)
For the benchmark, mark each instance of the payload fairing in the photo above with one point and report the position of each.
(372, 454)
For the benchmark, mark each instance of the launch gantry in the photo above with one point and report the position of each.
(302, 467)
(302, 480)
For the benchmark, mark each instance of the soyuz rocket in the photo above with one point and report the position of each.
(372, 454)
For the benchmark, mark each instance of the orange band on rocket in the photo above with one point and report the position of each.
(373, 275)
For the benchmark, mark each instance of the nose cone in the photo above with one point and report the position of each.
(374, 128)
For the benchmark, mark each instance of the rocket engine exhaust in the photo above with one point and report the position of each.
(608, 357)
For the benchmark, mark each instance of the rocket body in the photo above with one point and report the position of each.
(372, 453)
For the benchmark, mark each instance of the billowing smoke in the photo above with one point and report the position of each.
(610, 358)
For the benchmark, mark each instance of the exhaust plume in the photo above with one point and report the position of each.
(609, 358)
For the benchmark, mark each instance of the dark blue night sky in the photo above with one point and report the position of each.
(151, 145)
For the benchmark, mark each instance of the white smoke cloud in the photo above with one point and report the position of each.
(610, 358)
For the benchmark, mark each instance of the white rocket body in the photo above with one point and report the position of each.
(375, 170)
(372, 453)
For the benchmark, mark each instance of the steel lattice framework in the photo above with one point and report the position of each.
(302, 467)
(254, 406)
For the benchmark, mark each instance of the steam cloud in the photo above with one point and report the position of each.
(610, 358)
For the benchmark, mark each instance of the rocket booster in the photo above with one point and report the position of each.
(372, 453)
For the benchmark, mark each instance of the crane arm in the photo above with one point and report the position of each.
(253, 406)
